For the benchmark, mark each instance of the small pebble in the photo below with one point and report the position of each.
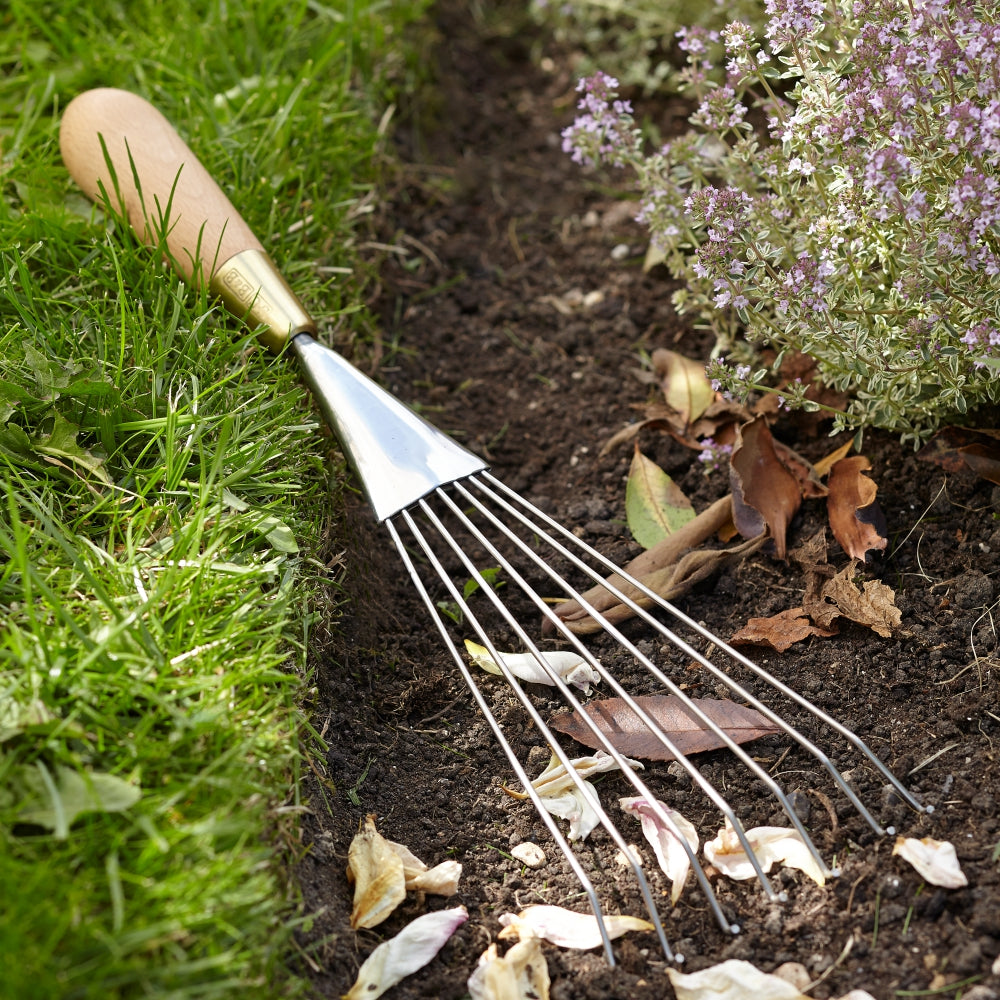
(529, 854)
(794, 973)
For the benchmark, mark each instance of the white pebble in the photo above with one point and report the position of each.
(529, 854)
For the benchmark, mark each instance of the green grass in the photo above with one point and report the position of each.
(163, 493)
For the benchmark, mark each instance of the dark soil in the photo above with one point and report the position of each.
(496, 229)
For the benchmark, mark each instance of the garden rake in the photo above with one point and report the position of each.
(453, 523)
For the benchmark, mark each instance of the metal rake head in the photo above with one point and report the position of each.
(466, 536)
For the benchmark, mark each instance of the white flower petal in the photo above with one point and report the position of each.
(770, 844)
(568, 665)
(411, 949)
(670, 852)
(378, 875)
(521, 974)
(562, 797)
(567, 928)
(573, 807)
(441, 880)
(731, 980)
(935, 860)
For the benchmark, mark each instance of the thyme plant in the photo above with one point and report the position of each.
(858, 224)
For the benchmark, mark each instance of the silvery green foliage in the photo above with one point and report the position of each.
(634, 39)
(862, 228)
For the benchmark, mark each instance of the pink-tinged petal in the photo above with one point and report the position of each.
(410, 950)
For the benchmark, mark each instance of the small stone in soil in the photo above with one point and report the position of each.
(529, 854)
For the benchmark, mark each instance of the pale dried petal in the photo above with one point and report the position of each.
(934, 859)
(770, 844)
(670, 852)
(441, 880)
(570, 666)
(377, 872)
(411, 949)
(573, 806)
(555, 778)
(731, 980)
(857, 995)
(567, 928)
(563, 798)
(521, 974)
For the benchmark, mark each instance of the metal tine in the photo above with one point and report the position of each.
(710, 791)
(719, 643)
(498, 733)
(609, 747)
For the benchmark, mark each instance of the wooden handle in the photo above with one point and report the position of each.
(118, 146)
(175, 193)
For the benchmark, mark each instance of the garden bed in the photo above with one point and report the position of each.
(489, 328)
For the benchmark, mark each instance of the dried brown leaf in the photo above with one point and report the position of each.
(765, 494)
(669, 569)
(873, 604)
(984, 460)
(827, 462)
(959, 449)
(856, 519)
(809, 479)
(665, 554)
(632, 737)
(779, 631)
(811, 554)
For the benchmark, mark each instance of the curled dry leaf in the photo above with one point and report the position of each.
(686, 388)
(562, 796)
(958, 449)
(410, 950)
(567, 928)
(780, 631)
(521, 974)
(770, 844)
(630, 735)
(377, 872)
(568, 665)
(935, 860)
(856, 519)
(765, 494)
(674, 860)
(655, 506)
(873, 604)
(669, 569)
(731, 980)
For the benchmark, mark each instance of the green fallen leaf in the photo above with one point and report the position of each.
(279, 535)
(61, 443)
(655, 506)
(56, 800)
(686, 387)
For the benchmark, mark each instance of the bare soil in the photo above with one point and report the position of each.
(484, 329)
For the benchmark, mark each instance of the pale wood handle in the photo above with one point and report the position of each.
(175, 195)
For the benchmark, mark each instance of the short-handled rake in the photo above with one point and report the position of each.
(450, 519)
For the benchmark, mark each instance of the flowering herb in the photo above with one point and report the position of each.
(862, 227)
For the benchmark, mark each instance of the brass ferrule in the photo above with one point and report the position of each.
(252, 288)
